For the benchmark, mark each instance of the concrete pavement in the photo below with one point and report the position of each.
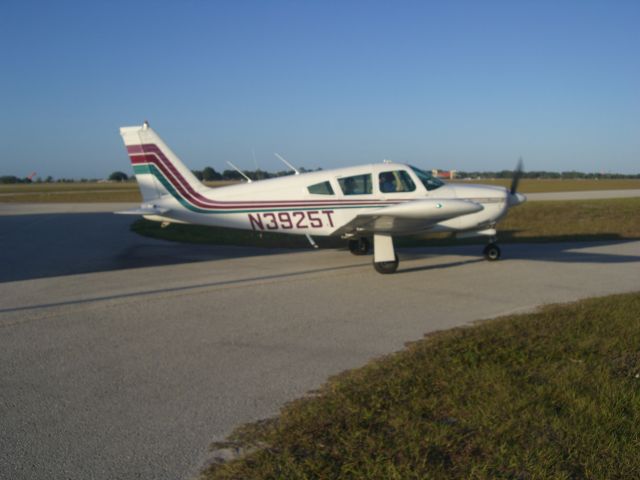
(124, 357)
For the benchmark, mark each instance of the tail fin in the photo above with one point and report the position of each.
(158, 170)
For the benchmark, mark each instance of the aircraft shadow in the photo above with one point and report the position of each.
(569, 252)
(50, 245)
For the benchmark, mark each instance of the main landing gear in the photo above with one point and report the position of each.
(386, 267)
(385, 259)
(360, 246)
(491, 252)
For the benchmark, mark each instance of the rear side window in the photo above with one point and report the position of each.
(356, 185)
(323, 188)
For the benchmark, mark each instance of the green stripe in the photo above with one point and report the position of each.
(150, 169)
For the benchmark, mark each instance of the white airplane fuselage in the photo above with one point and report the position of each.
(284, 204)
(376, 201)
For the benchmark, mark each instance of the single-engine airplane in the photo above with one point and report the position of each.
(377, 201)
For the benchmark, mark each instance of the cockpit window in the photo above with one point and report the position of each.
(395, 182)
(429, 181)
(323, 188)
(356, 185)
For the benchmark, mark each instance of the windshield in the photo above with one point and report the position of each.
(429, 181)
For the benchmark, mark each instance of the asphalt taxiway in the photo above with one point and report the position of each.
(124, 357)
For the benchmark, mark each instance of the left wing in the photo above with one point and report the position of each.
(409, 217)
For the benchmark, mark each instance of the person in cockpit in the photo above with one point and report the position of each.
(387, 182)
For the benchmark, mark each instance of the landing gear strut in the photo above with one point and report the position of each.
(360, 246)
(491, 252)
(385, 259)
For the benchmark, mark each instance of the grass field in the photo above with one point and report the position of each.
(79, 192)
(128, 191)
(553, 394)
(610, 219)
(544, 185)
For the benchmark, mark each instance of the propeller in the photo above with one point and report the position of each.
(517, 174)
(516, 198)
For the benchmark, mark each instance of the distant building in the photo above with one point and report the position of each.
(444, 174)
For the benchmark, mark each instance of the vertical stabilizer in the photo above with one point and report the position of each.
(158, 170)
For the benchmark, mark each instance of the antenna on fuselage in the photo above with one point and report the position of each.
(287, 163)
(255, 162)
(239, 171)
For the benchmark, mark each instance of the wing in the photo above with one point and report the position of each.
(409, 217)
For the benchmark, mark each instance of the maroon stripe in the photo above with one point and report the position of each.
(184, 188)
(151, 148)
(195, 196)
(177, 185)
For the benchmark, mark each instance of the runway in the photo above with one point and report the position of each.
(124, 357)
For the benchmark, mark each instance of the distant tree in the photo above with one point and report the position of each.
(258, 174)
(231, 175)
(118, 177)
(9, 179)
(209, 174)
(49, 179)
(197, 174)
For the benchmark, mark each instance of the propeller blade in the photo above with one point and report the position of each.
(516, 177)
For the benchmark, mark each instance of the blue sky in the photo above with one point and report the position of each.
(470, 85)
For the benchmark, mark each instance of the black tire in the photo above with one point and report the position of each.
(360, 246)
(492, 252)
(386, 267)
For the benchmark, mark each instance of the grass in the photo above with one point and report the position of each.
(85, 192)
(70, 192)
(574, 185)
(617, 218)
(77, 192)
(577, 220)
(552, 394)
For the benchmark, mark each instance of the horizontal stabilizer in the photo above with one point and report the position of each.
(144, 210)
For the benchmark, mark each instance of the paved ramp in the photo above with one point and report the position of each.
(130, 370)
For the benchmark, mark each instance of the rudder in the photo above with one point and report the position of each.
(158, 170)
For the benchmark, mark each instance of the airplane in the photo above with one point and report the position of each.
(367, 205)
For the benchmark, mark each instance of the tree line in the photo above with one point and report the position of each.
(543, 174)
(209, 174)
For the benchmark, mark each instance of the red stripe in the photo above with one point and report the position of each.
(155, 156)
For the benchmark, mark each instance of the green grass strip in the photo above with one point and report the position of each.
(553, 394)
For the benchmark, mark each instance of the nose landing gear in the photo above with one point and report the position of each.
(491, 252)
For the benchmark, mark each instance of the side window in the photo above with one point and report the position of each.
(356, 185)
(323, 188)
(395, 182)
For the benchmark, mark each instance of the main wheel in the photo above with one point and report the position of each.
(360, 246)
(491, 252)
(386, 267)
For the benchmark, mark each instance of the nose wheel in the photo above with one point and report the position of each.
(491, 252)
